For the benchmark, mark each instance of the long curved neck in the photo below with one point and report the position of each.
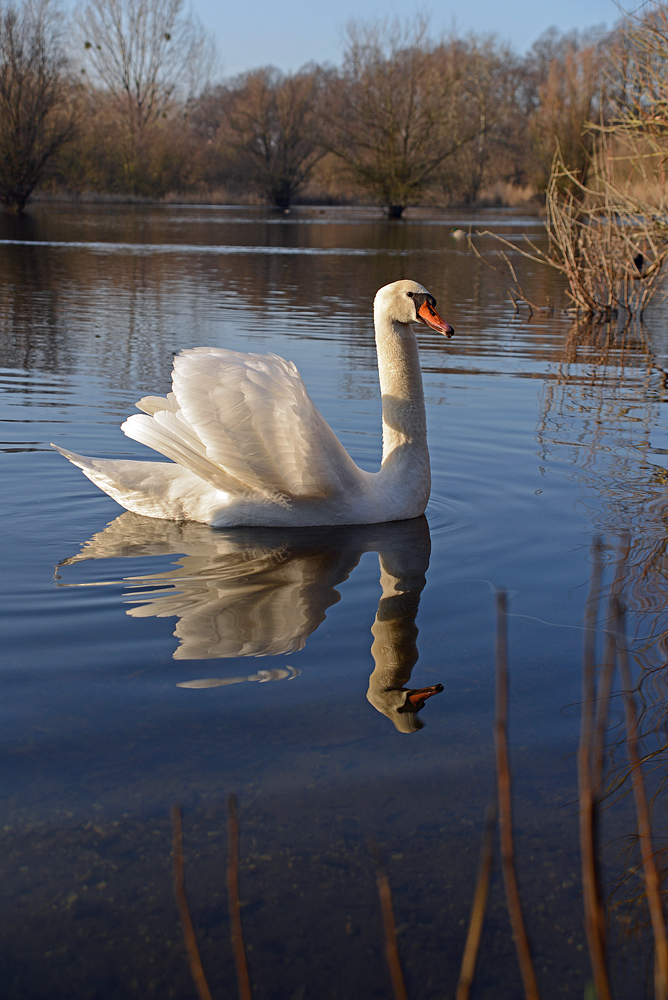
(404, 418)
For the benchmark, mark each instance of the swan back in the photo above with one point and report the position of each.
(245, 424)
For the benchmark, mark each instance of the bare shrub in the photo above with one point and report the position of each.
(607, 217)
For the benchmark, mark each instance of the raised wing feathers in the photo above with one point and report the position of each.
(154, 404)
(245, 419)
(170, 434)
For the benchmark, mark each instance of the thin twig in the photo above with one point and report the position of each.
(479, 905)
(518, 291)
(391, 947)
(192, 951)
(505, 803)
(241, 965)
(593, 910)
(652, 879)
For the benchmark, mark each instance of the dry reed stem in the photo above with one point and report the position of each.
(240, 963)
(651, 875)
(192, 951)
(505, 803)
(391, 946)
(593, 910)
(478, 906)
(601, 714)
(605, 681)
(517, 293)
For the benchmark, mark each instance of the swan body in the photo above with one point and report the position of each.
(248, 446)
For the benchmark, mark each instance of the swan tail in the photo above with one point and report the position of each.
(154, 489)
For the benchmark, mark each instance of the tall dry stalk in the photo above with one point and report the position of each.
(590, 771)
(189, 939)
(390, 932)
(651, 874)
(478, 907)
(240, 963)
(504, 793)
(593, 909)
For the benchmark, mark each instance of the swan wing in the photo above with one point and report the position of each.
(168, 432)
(155, 404)
(257, 424)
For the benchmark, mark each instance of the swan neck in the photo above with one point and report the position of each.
(404, 418)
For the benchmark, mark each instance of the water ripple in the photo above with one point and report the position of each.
(141, 249)
(444, 514)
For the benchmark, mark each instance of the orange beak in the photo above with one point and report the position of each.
(419, 697)
(430, 317)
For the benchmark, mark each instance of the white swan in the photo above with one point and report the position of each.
(248, 446)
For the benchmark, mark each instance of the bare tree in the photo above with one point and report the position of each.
(392, 117)
(490, 103)
(37, 113)
(269, 119)
(151, 57)
(641, 78)
(570, 77)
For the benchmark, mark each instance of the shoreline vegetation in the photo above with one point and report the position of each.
(119, 104)
(121, 99)
(500, 195)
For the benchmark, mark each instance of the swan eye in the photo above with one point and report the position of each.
(409, 294)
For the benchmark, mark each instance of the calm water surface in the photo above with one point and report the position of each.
(541, 437)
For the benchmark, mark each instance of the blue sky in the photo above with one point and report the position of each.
(289, 33)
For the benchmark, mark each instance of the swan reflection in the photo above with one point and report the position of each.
(263, 591)
(277, 674)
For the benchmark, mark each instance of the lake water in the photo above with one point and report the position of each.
(542, 437)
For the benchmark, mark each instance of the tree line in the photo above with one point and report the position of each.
(118, 100)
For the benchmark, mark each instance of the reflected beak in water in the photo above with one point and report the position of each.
(430, 318)
(418, 698)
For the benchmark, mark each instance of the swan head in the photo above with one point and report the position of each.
(410, 302)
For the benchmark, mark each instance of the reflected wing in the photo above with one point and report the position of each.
(245, 422)
(265, 617)
(253, 592)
